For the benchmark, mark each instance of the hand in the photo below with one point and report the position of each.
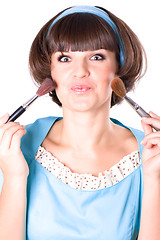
(151, 151)
(12, 161)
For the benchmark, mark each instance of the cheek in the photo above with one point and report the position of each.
(105, 78)
(60, 89)
(107, 71)
(54, 75)
(58, 76)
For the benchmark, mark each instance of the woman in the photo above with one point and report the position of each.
(83, 172)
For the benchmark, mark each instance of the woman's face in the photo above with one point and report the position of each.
(83, 78)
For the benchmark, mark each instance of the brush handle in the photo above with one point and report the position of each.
(22, 109)
(143, 113)
(16, 114)
(139, 110)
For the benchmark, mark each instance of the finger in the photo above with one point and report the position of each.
(152, 114)
(152, 121)
(16, 139)
(4, 119)
(7, 127)
(149, 136)
(148, 145)
(152, 142)
(146, 128)
(7, 136)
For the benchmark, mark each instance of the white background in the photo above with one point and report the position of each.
(20, 21)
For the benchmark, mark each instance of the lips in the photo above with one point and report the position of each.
(80, 89)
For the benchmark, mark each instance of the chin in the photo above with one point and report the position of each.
(81, 108)
(84, 107)
(85, 104)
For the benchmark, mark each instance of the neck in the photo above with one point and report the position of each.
(86, 130)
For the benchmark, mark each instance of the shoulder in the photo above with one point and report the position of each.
(41, 122)
(36, 132)
(134, 133)
(137, 132)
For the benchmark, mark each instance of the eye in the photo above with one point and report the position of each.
(97, 57)
(64, 58)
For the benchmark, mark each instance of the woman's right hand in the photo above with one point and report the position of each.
(12, 161)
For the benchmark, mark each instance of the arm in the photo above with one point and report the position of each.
(150, 214)
(13, 209)
(15, 172)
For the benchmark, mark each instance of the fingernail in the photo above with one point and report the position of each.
(151, 112)
(143, 142)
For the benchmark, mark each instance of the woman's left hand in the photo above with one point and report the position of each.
(151, 151)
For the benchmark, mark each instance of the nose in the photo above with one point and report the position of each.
(81, 69)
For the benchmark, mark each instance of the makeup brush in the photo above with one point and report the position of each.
(119, 89)
(47, 86)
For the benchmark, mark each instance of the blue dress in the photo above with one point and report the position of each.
(56, 211)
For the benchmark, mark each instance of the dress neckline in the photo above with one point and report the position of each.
(87, 181)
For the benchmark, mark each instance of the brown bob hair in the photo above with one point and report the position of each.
(82, 32)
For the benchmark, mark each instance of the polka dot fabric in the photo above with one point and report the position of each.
(87, 181)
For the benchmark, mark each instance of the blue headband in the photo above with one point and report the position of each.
(98, 12)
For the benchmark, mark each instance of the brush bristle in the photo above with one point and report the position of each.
(118, 87)
(48, 85)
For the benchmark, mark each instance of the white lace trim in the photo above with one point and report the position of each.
(87, 181)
